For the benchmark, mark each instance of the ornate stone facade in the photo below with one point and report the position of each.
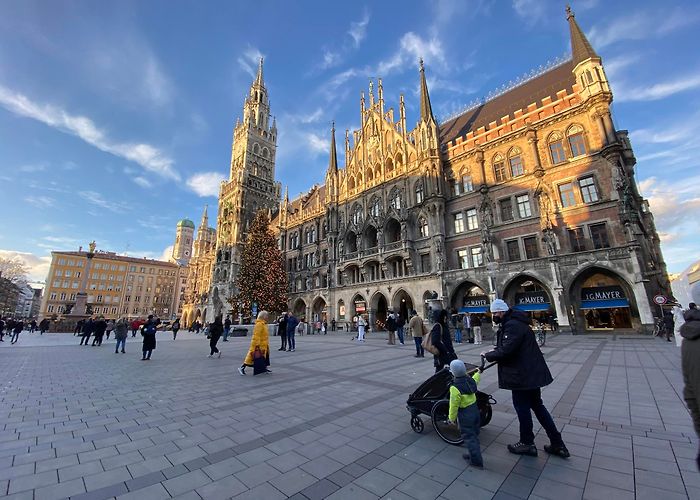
(199, 273)
(529, 196)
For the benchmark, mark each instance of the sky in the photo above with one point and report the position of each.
(116, 117)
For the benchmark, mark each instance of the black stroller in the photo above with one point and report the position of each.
(433, 398)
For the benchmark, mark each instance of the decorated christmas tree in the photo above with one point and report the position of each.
(262, 280)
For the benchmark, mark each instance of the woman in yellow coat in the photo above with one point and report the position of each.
(261, 340)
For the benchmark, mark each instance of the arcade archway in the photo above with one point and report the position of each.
(402, 304)
(528, 294)
(469, 297)
(299, 308)
(379, 307)
(319, 310)
(601, 300)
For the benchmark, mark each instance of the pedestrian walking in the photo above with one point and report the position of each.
(121, 332)
(333, 324)
(457, 323)
(32, 326)
(282, 331)
(17, 327)
(78, 327)
(216, 330)
(690, 362)
(476, 328)
(260, 342)
(292, 323)
(2, 329)
(467, 327)
(400, 323)
(668, 325)
(88, 327)
(441, 339)
(110, 327)
(44, 326)
(135, 327)
(463, 408)
(416, 328)
(227, 328)
(176, 328)
(361, 327)
(99, 328)
(678, 320)
(523, 371)
(390, 326)
(324, 327)
(149, 337)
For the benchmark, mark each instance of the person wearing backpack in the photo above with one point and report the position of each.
(148, 331)
(463, 408)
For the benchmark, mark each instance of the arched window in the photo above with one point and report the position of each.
(375, 207)
(423, 227)
(576, 142)
(356, 216)
(389, 165)
(351, 183)
(395, 199)
(419, 192)
(266, 153)
(515, 160)
(499, 168)
(556, 148)
(399, 158)
(369, 175)
(256, 148)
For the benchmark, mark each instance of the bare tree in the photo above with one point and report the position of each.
(13, 269)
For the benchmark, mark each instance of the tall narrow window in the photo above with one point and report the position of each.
(589, 192)
(599, 235)
(477, 256)
(423, 227)
(459, 222)
(566, 193)
(419, 192)
(395, 200)
(506, 207)
(515, 160)
(576, 239)
(456, 187)
(499, 168)
(556, 149)
(467, 184)
(463, 258)
(532, 251)
(513, 250)
(577, 144)
(472, 219)
(523, 202)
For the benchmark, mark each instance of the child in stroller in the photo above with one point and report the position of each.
(432, 398)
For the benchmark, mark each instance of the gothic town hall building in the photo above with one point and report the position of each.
(529, 196)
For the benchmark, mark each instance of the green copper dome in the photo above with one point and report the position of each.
(186, 223)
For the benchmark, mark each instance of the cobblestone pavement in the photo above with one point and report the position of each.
(330, 422)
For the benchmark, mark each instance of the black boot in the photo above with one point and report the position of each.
(559, 450)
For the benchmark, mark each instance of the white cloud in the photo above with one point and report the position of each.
(358, 29)
(641, 25)
(675, 205)
(149, 157)
(205, 183)
(30, 168)
(316, 143)
(40, 201)
(96, 199)
(141, 181)
(249, 60)
(167, 253)
(656, 91)
(38, 266)
(156, 85)
(413, 47)
(531, 11)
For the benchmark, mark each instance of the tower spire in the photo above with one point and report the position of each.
(333, 160)
(581, 48)
(426, 110)
(259, 77)
(205, 218)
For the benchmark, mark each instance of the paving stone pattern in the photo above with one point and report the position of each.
(330, 422)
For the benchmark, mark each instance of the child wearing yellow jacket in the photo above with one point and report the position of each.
(463, 407)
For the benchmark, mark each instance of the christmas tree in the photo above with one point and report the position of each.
(262, 279)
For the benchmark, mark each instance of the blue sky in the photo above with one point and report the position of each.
(116, 117)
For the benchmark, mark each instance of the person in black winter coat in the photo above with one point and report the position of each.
(523, 370)
(282, 332)
(690, 362)
(216, 329)
(441, 339)
(88, 328)
(100, 326)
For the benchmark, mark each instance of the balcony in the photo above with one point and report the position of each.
(396, 245)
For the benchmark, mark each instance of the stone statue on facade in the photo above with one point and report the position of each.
(549, 240)
(92, 246)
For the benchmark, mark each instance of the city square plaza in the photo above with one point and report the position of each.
(329, 422)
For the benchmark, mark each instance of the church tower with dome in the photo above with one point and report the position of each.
(182, 249)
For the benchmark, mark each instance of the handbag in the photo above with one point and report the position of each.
(259, 362)
(428, 344)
